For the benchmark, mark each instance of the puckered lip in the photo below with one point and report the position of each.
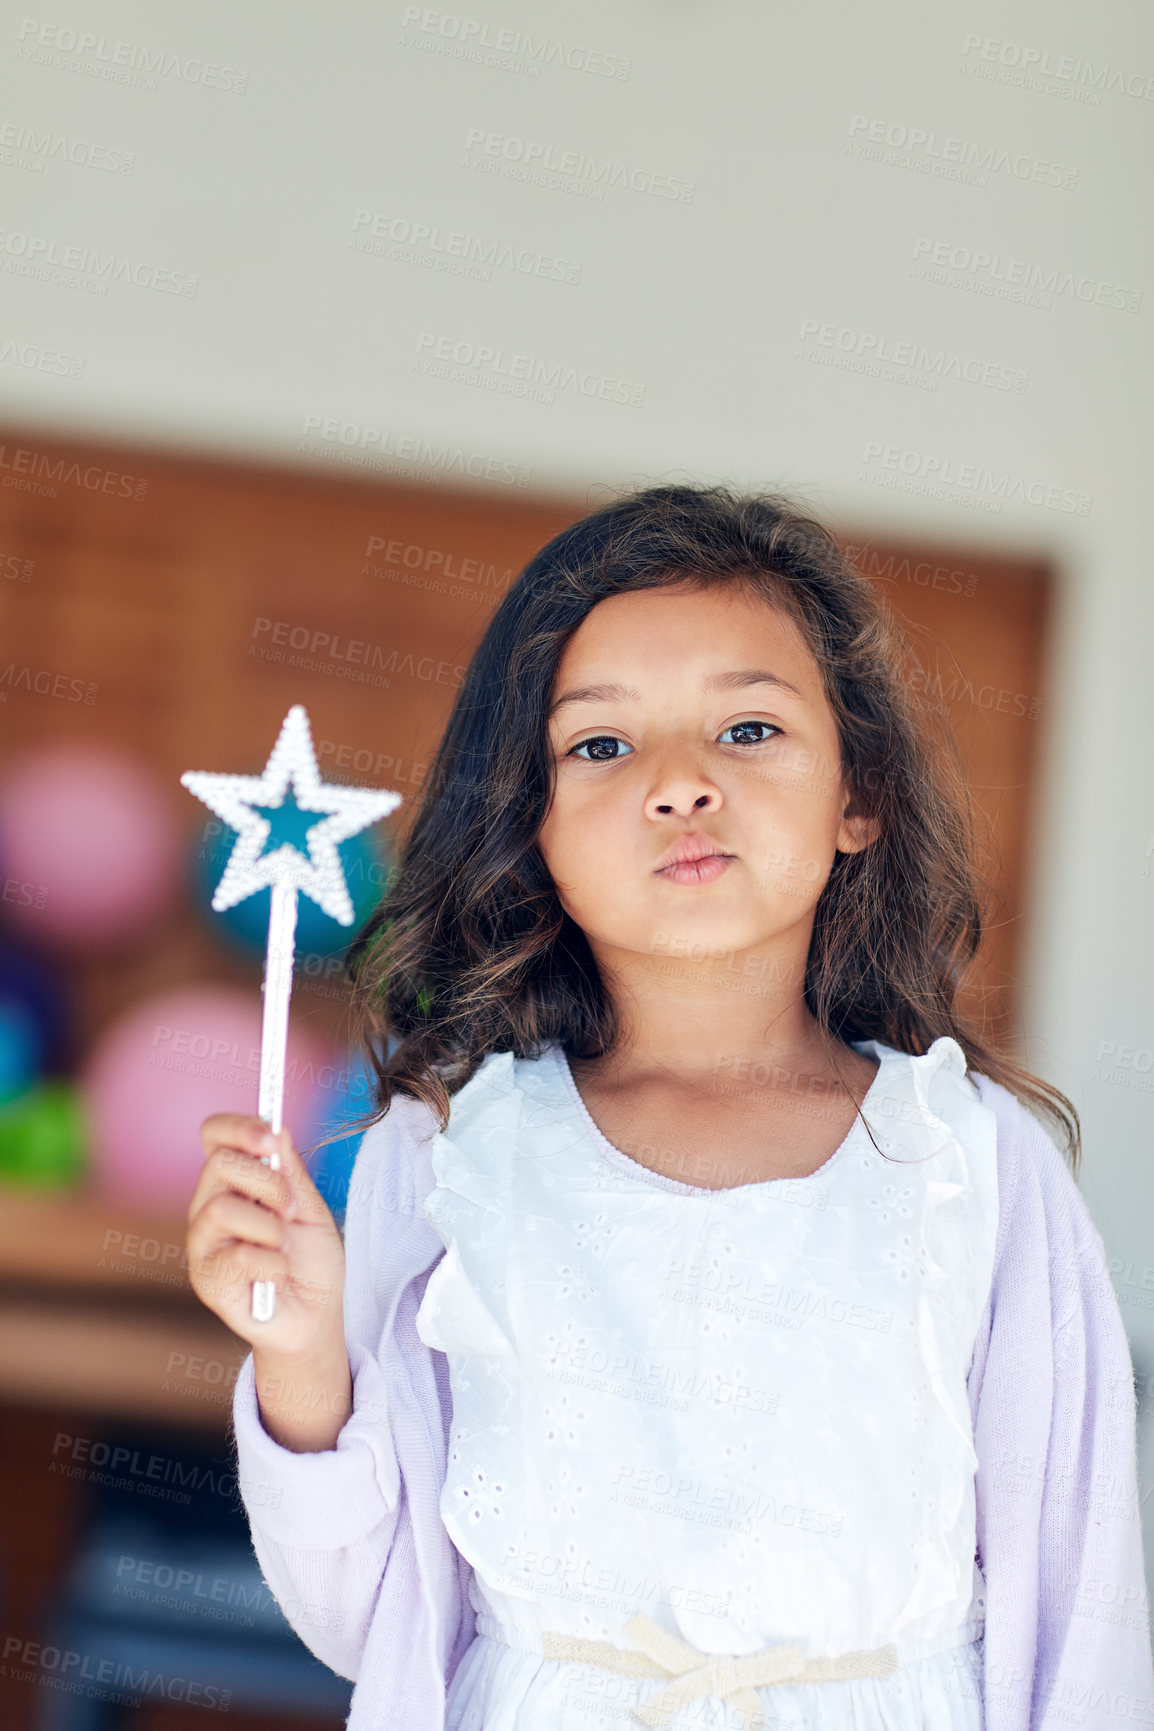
(687, 848)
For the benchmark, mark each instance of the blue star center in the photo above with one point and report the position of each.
(289, 824)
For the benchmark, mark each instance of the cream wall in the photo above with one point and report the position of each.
(708, 305)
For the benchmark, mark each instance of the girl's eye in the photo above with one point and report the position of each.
(734, 726)
(601, 743)
(600, 740)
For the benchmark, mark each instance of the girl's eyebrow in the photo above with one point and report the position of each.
(715, 682)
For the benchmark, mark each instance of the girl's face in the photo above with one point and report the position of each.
(693, 715)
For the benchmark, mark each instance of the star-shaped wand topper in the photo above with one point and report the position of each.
(340, 812)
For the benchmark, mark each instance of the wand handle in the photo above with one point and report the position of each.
(277, 989)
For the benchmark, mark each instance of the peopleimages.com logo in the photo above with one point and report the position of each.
(928, 152)
(1009, 278)
(24, 146)
(80, 266)
(495, 369)
(73, 50)
(435, 248)
(544, 164)
(994, 486)
(503, 47)
(381, 447)
(1068, 74)
(919, 362)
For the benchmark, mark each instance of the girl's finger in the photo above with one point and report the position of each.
(237, 1130)
(223, 1280)
(303, 1200)
(234, 1138)
(241, 1130)
(227, 1216)
(237, 1169)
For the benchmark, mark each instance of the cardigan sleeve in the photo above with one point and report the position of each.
(1067, 1636)
(331, 1528)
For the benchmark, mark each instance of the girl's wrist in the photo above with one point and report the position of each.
(304, 1400)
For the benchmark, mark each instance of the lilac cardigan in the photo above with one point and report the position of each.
(352, 1544)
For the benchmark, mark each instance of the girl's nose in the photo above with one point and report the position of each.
(682, 795)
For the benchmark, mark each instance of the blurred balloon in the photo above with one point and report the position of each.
(365, 864)
(92, 837)
(331, 1166)
(32, 986)
(168, 1064)
(43, 1136)
(21, 1048)
(365, 860)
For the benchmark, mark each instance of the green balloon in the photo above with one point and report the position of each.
(43, 1135)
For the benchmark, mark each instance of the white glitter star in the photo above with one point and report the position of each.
(343, 811)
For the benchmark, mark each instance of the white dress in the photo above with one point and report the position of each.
(742, 1413)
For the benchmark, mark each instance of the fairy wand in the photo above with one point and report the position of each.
(341, 812)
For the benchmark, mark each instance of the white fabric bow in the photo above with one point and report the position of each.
(697, 1673)
(725, 1675)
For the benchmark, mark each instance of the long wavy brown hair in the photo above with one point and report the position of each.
(470, 951)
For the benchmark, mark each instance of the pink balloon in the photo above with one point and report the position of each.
(94, 837)
(168, 1064)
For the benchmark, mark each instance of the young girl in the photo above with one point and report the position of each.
(721, 1341)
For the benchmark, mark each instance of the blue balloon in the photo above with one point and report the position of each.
(22, 1048)
(331, 1166)
(35, 983)
(366, 864)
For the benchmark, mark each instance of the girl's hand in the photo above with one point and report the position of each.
(246, 1223)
